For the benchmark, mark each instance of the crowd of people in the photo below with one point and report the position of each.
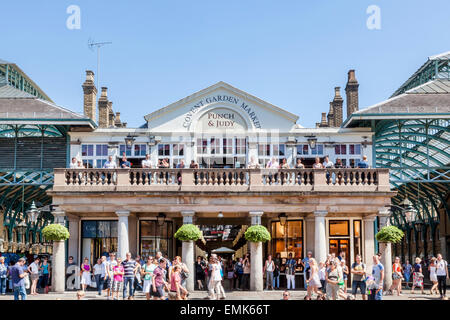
(160, 279)
(273, 163)
(20, 276)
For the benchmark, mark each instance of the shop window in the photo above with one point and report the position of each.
(318, 150)
(125, 149)
(339, 228)
(163, 149)
(241, 146)
(154, 238)
(287, 239)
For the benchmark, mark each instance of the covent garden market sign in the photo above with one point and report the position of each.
(221, 119)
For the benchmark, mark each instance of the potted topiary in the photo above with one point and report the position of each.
(256, 235)
(188, 234)
(386, 236)
(58, 234)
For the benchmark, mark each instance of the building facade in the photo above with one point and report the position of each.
(224, 130)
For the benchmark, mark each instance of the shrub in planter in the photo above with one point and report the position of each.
(55, 232)
(257, 234)
(188, 232)
(390, 234)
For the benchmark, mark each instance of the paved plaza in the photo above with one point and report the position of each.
(235, 295)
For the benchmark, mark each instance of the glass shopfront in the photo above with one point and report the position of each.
(98, 238)
(154, 238)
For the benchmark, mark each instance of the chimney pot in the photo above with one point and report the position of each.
(104, 91)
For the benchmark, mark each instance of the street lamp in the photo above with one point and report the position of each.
(160, 219)
(283, 219)
(129, 140)
(33, 213)
(312, 140)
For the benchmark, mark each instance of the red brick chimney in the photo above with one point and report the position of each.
(90, 96)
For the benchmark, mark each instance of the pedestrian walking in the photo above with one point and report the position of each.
(158, 280)
(85, 274)
(322, 276)
(376, 292)
(239, 272)
(147, 273)
(359, 277)
(3, 276)
(99, 276)
(332, 278)
(290, 267)
(118, 272)
(269, 268)
(433, 277)
(417, 276)
(345, 273)
(200, 266)
(110, 264)
(396, 277)
(407, 270)
(313, 282)
(129, 267)
(177, 291)
(215, 286)
(306, 271)
(442, 275)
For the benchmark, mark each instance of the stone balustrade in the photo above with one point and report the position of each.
(222, 180)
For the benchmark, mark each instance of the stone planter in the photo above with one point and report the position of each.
(256, 267)
(188, 259)
(58, 267)
(386, 260)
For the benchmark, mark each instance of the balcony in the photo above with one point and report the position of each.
(221, 180)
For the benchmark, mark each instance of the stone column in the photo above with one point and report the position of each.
(59, 257)
(386, 251)
(74, 237)
(256, 257)
(122, 230)
(369, 241)
(320, 236)
(188, 251)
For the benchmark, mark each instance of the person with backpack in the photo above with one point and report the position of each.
(269, 268)
(276, 272)
(359, 277)
(376, 291)
(290, 267)
(239, 271)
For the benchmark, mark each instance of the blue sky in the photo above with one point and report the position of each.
(289, 53)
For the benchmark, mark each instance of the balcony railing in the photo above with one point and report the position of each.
(222, 180)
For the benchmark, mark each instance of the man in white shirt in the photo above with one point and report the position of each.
(147, 163)
(327, 163)
(442, 275)
(74, 163)
(110, 164)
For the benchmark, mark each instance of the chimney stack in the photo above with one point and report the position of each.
(111, 116)
(90, 96)
(331, 116)
(103, 109)
(337, 107)
(117, 121)
(323, 121)
(352, 93)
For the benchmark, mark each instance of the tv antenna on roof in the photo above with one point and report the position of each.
(98, 45)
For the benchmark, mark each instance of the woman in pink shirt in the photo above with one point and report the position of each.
(176, 290)
(117, 279)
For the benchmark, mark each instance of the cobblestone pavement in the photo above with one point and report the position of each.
(235, 295)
